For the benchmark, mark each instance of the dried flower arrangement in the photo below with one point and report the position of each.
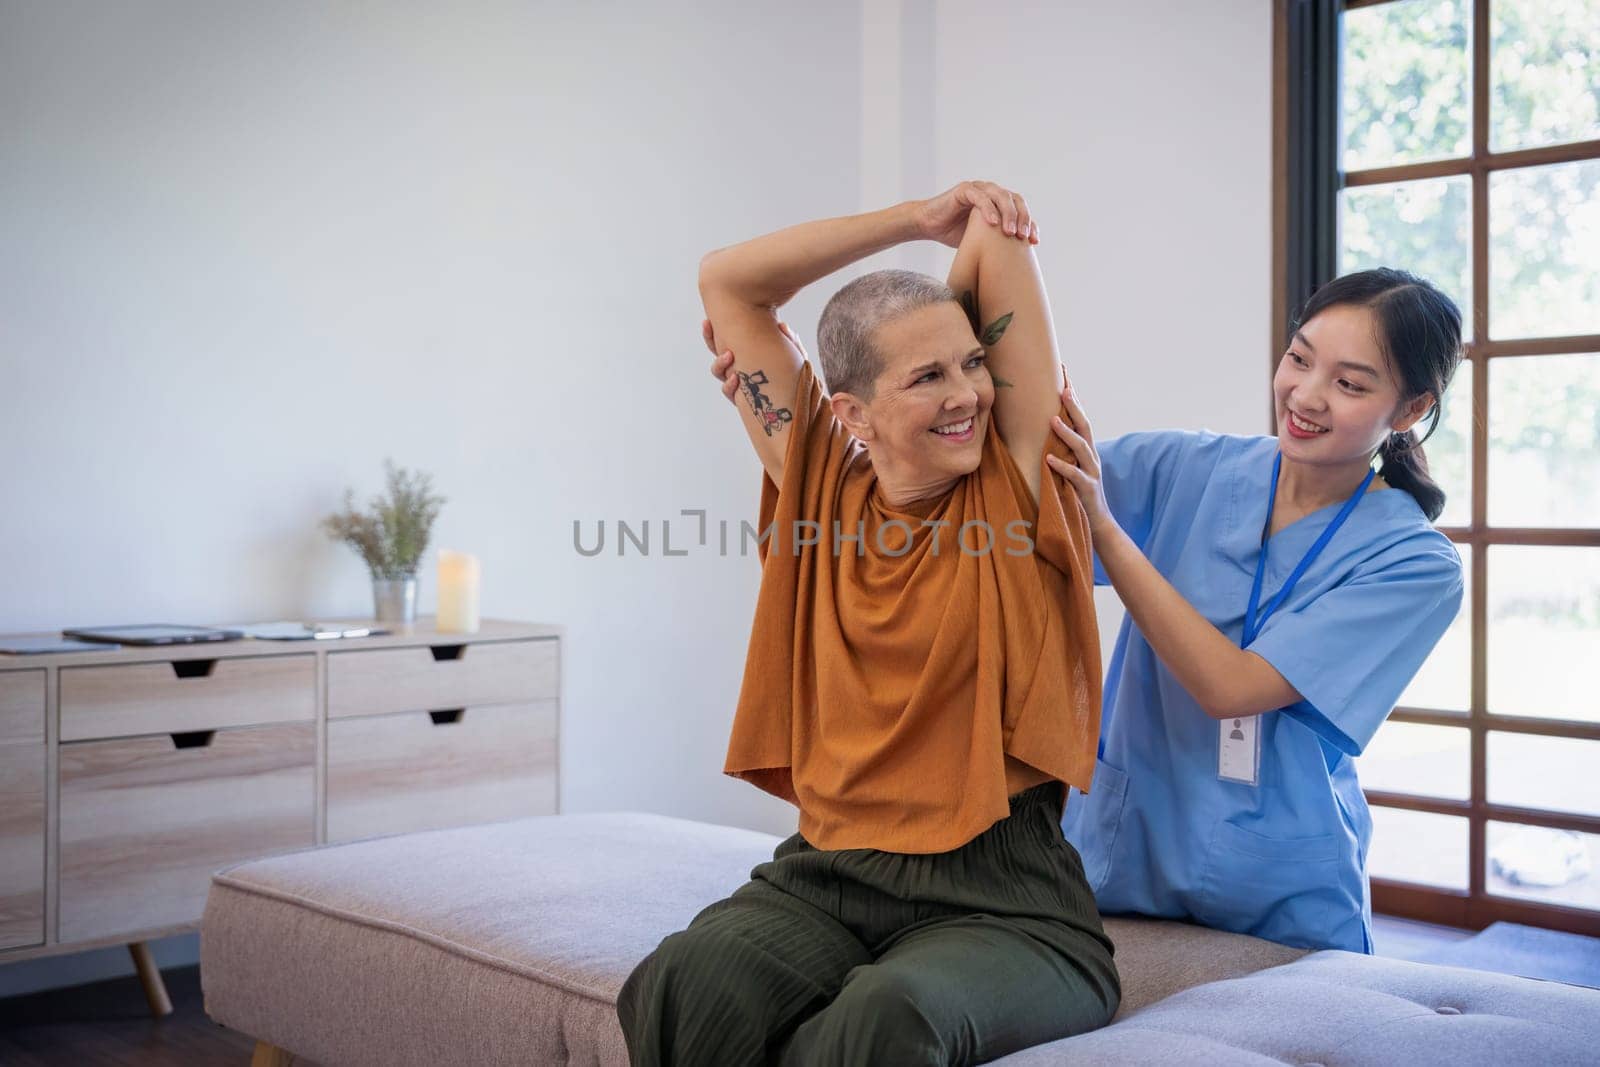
(394, 534)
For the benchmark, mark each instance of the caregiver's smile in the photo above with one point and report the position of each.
(1300, 426)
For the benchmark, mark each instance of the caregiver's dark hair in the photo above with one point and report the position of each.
(1419, 332)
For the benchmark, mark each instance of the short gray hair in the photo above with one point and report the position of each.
(850, 363)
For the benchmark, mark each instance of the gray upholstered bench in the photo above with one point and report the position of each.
(506, 943)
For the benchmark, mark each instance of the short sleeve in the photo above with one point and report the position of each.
(1351, 651)
(1137, 472)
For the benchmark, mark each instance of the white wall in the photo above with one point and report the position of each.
(247, 251)
(1140, 132)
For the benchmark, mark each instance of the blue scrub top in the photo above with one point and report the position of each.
(1159, 833)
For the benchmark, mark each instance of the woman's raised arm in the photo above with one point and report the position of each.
(998, 281)
(743, 286)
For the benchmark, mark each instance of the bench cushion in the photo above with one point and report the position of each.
(507, 942)
(1353, 1010)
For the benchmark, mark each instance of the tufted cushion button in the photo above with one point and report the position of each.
(1448, 1011)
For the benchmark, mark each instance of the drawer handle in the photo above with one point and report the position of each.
(192, 739)
(444, 652)
(193, 668)
(448, 715)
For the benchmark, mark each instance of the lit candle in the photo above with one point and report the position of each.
(458, 593)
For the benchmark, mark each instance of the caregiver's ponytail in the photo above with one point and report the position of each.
(1405, 467)
(1419, 330)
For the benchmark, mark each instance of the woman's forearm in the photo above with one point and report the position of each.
(1224, 679)
(767, 271)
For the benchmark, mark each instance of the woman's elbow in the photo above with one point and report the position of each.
(708, 268)
(717, 284)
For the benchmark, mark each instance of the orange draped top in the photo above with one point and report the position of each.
(902, 682)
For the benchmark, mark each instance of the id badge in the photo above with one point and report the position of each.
(1239, 749)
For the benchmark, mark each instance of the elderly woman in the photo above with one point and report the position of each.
(923, 675)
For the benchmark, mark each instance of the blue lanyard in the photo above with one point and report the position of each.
(1253, 623)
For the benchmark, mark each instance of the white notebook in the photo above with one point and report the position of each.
(305, 631)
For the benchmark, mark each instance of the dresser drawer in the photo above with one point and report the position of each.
(21, 844)
(442, 676)
(22, 706)
(145, 820)
(125, 700)
(422, 771)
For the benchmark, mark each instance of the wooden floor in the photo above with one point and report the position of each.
(108, 1023)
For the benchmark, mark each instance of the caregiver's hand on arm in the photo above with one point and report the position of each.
(997, 279)
(1224, 679)
(722, 361)
(743, 285)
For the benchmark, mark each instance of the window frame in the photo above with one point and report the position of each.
(1306, 182)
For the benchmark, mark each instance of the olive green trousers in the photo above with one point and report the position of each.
(858, 956)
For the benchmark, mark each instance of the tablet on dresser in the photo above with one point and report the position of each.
(152, 634)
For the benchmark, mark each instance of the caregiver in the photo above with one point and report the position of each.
(1280, 596)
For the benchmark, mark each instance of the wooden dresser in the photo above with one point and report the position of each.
(128, 776)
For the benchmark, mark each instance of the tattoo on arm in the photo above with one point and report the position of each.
(987, 335)
(772, 418)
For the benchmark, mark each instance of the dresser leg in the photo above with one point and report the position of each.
(155, 990)
(270, 1056)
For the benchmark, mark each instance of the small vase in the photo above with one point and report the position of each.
(395, 599)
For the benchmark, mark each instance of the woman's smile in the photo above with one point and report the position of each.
(958, 432)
